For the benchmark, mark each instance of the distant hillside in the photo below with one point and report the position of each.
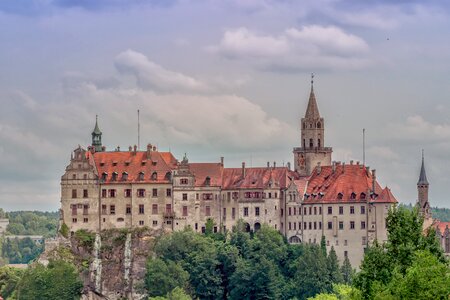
(442, 214)
(32, 223)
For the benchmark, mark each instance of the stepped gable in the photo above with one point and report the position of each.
(203, 170)
(257, 178)
(133, 163)
(326, 186)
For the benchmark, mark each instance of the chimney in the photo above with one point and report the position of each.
(130, 148)
(134, 149)
(274, 164)
(221, 160)
(374, 179)
(103, 148)
(268, 165)
(367, 170)
(333, 167)
(243, 169)
(351, 162)
(149, 151)
(118, 148)
(288, 165)
(343, 166)
(92, 149)
(319, 168)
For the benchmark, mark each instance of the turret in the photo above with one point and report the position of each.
(97, 137)
(422, 191)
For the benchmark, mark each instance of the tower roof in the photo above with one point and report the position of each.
(423, 174)
(312, 111)
(96, 129)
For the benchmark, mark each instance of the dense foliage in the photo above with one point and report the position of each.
(20, 251)
(243, 266)
(442, 214)
(32, 223)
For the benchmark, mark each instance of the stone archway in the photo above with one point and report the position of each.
(257, 226)
(294, 240)
(247, 227)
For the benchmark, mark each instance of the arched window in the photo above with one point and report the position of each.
(311, 144)
(154, 176)
(310, 125)
(340, 196)
(304, 125)
(362, 196)
(318, 143)
(319, 125)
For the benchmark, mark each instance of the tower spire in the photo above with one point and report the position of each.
(312, 111)
(97, 137)
(423, 175)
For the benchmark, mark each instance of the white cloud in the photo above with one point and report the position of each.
(149, 75)
(416, 128)
(309, 47)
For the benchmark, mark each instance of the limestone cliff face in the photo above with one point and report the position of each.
(112, 262)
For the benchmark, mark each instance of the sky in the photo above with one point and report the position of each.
(228, 78)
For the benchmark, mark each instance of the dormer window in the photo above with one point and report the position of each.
(353, 196)
(321, 195)
(340, 196)
(306, 196)
(102, 164)
(207, 181)
(114, 176)
(114, 163)
(362, 196)
(104, 176)
(154, 176)
(124, 176)
(141, 176)
(153, 163)
(127, 163)
(142, 163)
(168, 176)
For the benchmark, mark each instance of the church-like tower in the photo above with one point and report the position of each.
(312, 151)
(422, 191)
(97, 137)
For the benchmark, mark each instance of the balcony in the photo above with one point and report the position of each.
(316, 149)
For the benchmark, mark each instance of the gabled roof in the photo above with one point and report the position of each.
(257, 178)
(351, 183)
(133, 163)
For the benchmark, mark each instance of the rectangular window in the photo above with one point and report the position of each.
(320, 225)
(208, 210)
(74, 220)
(363, 210)
(310, 225)
(299, 225)
(289, 226)
(233, 213)
(256, 211)
(295, 211)
(85, 193)
(112, 193)
(304, 211)
(352, 210)
(363, 225)
(85, 220)
(320, 210)
(330, 210)
(185, 211)
(74, 193)
(104, 209)
(155, 223)
(289, 211)
(363, 241)
(310, 210)
(341, 225)
(341, 210)
(85, 209)
(141, 193)
(112, 209)
(235, 195)
(104, 193)
(183, 181)
(330, 225)
(185, 196)
(128, 209)
(352, 224)
(245, 211)
(141, 223)
(74, 210)
(127, 193)
(345, 242)
(154, 192)
(168, 193)
(315, 210)
(154, 209)
(295, 225)
(141, 209)
(281, 212)
(315, 225)
(207, 196)
(169, 209)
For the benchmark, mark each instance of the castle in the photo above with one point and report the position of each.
(126, 189)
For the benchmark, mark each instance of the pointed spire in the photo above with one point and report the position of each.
(312, 110)
(423, 175)
(96, 129)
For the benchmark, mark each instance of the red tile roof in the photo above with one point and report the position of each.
(350, 182)
(257, 178)
(203, 170)
(133, 163)
(441, 226)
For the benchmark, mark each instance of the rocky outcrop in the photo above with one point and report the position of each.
(112, 262)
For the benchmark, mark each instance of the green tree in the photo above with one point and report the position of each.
(9, 278)
(312, 276)
(241, 239)
(323, 245)
(347, 271)
(162, 277)
(333, 267)
(59, 280)
(340, 292)
(176, 294)
(426, 278)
